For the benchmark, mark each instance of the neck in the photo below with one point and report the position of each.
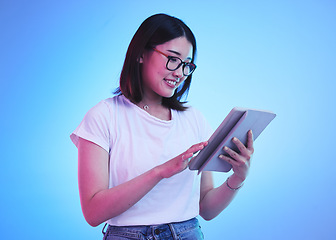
(150, 103)
(147, 106)
(155, 108)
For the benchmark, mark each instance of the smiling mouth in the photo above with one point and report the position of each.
(171, 82)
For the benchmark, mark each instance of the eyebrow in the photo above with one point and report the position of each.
(178, 54)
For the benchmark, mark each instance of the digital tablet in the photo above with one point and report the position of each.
(236, 124)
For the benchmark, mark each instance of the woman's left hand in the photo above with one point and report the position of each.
(240, 161)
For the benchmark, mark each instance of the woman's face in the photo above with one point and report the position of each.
(158, 81)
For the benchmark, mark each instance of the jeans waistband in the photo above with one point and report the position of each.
(162, 230)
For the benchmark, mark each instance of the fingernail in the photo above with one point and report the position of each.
(235, 139)
(226, 148)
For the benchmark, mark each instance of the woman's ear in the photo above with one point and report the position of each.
(143, 55)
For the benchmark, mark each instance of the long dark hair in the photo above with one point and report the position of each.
(155, 30)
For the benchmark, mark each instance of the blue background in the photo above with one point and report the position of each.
(60, 58)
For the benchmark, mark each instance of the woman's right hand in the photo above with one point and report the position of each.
(179, 163)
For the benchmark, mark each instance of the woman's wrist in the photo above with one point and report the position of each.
(234, 182)
(158, 172)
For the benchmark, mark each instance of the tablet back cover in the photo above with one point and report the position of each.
(237, 123)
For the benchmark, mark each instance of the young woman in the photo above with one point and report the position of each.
(134, 148)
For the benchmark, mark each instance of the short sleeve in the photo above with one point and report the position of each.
(95, 126)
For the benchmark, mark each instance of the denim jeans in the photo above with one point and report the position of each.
(187, 230)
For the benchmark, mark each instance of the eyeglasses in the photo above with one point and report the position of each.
(174, 63)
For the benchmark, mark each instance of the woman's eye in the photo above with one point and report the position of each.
(173, 59)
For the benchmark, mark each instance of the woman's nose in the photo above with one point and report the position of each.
(179, 72)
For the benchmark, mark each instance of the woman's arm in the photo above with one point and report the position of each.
(214, 200)
(99, 203)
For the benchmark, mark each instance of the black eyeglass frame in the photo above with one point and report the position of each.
(179, 65)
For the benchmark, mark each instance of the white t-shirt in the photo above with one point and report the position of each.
(137, 142)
